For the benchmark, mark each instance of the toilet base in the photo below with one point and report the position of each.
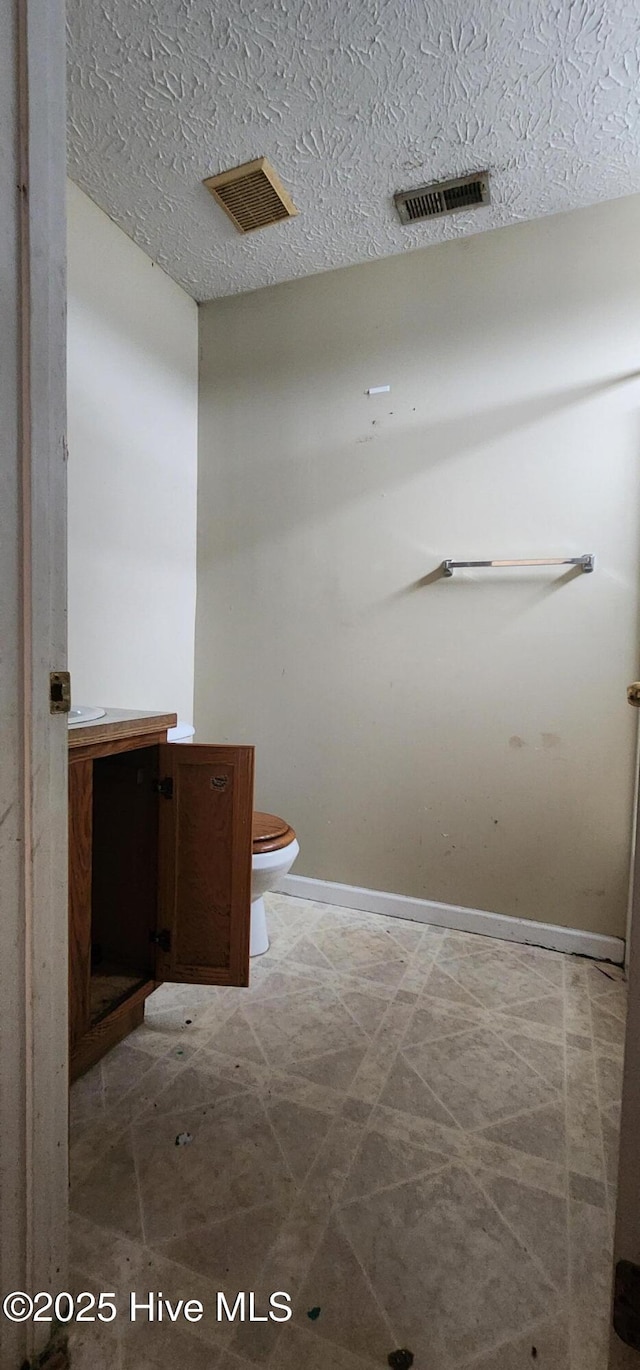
(259, 940)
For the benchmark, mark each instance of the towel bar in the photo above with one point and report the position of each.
(586, 563)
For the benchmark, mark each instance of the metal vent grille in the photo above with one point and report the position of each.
(442, 197)
(252, 195)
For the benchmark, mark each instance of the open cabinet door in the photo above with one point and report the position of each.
(204, 894)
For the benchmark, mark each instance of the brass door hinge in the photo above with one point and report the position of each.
(59, 692)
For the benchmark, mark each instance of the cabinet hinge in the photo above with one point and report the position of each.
(165, 787)
(626, 1303)
(161, 939)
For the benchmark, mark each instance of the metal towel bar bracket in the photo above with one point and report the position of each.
(586, 563)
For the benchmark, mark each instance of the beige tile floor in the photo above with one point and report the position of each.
(412, 1130)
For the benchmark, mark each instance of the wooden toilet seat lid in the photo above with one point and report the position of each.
(270, 833)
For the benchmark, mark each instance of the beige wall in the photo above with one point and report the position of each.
(132, 390)
(463, 740)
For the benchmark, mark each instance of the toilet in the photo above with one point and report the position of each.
(275, 848)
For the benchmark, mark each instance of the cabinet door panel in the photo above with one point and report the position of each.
(205, 864)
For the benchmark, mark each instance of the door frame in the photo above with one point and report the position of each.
(626, 1244)
(33, 774)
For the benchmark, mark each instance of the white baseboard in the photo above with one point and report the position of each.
(572, 940)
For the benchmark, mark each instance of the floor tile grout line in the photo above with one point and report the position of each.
(529, 1064)
(335, 1206)
(519, 962)
(425, 1174)
(472, 996)
(552, 992)
(139, 1115)
(104, 1233)
(300, 1188)
(393, 1332)
(297, 1186)
(185, 1110)
(605, 1167)
(329, 1050)
(383, 1085)
(407, 1121)
(316, 1056)
(457, 1126)
(370, 963)
(368, 1128)
(132, 1089)
(377, 1038)
(308, 967)
(145, 1250)
(600, 1002)
(498, 1121)
(418, 945)
(412, 1066)
(138, 1188)
(148, 1109)
(505, 1172)
(345, 1004)
(528, 1027)
(516, 949)
(500, 1026)
(328, 980)
(494, 944)
(99, 1154)
(247, 1022)
(510, 1019)
(331, 1210)
(429, 972)
(206, 1226)
(520, 1003)
(514, 1118)
(609, 1051)
(445, 1037)
(524, 1333)
(308, 1060)
(289, 1085)
(559, 1290)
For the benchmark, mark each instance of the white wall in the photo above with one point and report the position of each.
(132, 395)
(463, 740)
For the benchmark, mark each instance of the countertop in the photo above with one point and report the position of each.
(118, 724)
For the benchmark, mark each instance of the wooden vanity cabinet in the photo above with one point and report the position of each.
(159, 878)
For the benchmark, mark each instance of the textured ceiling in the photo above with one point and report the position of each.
(351, 100)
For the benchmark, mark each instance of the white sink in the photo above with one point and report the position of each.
(82, 713)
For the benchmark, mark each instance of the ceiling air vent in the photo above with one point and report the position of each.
(442, 197)
(252, 195)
